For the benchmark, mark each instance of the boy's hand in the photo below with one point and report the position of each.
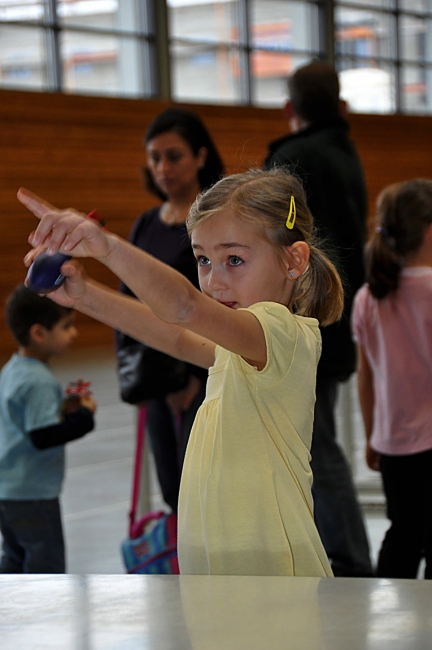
(78, 394)
(66, 230)
(72, 403)
(89, 403)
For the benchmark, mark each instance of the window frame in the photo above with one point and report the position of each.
(155, 46)
(398, 61)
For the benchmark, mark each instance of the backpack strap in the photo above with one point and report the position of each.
(140, 438)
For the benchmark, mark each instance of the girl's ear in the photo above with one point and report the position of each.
(297, 259)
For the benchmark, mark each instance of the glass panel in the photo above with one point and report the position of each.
(415, 35)
(277, 24)
(211, 22)
(368, 89)
(102, 14)
(422, 6)
(25, 10)
(269, 76)
(416, 89)
(205, 74)
(375, 4)
(100, 65)
(22, 58)
(368, 34)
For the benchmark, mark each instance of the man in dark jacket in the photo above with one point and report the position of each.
(321, 153)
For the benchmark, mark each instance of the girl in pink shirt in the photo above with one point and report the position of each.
(392, 324)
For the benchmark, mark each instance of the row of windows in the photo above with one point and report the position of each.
(220, 51)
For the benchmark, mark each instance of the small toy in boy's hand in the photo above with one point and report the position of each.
(73, 394)
(79, 388)
(44, 274)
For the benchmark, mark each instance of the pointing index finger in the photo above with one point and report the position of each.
(34, 203)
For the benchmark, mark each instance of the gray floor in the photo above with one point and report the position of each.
(97, 489)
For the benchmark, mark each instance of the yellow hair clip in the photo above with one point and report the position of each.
(291, 214)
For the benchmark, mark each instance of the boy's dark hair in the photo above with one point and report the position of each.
(189, 126)
(314, 92)
(25, 308)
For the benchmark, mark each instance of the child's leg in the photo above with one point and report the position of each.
(338, 515)
(12, 557)
(428, 515)
(402, 547)
(37, 530)
(161, 430)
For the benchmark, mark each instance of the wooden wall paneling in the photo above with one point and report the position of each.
(87, 152)
(393, 148)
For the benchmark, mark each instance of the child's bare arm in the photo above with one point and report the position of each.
(170, 296)
(131, 317)
(366, 398)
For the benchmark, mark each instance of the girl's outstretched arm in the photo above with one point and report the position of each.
(366, 398)
(131, 317)
(170, 296)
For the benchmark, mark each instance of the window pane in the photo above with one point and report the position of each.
(101, 65)
(416, 89)
(269, 76)
(105, 14)
(416, 5)
(415, 38)
(25, 10)
(277, 24)
(214, 22)
(205, 74)
(373, 4)
(365, 34)
(368, 90)
(22, 58)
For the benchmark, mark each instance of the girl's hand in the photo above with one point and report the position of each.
(372, 458)
(33, 254)
(73, 288)
(68, 230)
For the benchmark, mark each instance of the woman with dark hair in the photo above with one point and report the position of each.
(188, 126)
(182, 161)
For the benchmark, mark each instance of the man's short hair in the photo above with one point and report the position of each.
(25, 308)
(314, 92)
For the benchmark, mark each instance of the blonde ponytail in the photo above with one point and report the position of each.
(319, 292)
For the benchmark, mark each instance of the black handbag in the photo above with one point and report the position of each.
(145, 373)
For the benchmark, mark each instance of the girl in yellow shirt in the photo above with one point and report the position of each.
(245, 499)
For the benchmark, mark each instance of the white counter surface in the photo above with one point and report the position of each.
(90, 612)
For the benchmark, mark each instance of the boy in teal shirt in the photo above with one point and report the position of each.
(35, 424)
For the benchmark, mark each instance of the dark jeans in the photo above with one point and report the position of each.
(32, 536)
(337, 512)
(407, 482)
(168, 439)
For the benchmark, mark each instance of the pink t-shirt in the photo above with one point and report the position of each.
(396, 334)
